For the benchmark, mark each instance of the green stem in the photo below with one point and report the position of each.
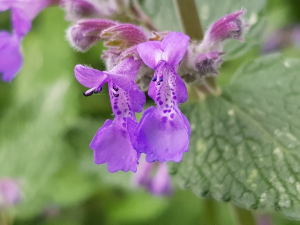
(243, 216)
(187, 10)
(3, 218)
(211, 212)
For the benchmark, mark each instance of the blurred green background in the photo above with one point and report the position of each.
(46, 125)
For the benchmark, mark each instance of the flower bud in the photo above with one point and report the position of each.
(77, 9)
(9, 193)
(86, 33)
(123, 36)
(196, 66)
(231, 26)
(207, 64)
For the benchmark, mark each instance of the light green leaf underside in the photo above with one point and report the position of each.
(245, 144)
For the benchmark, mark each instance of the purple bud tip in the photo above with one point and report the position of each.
(86, 33)
(231, 26)
(9, 192)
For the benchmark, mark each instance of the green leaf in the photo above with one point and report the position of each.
(31, 141)
(245, 143)
(162, 13)
(132, 209)
(40, 109)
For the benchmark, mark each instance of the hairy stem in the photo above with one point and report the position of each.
(243, 216)
(211, 212)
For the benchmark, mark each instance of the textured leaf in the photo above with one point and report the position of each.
(245, 143)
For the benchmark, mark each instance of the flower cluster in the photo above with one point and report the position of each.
(119, 143)
(163, 132)
(136, 60)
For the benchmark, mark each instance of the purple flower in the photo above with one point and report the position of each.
(112, 144)
(10, 55)
(22, 13)
(163, 133)
(9, 192)
(154, 177)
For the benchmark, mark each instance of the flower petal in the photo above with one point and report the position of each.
(137, 98)
(128, 67)
(5, 5)
(124, 73)
(11, 59)
(21, 22)
(150, 52)
(174, 47)
(112, 145)
(161, 183)
(89, 77)
(160, 137)
(120, 80)
(181, 90)
(10, 193)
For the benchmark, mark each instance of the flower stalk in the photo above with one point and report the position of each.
(243, 216)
